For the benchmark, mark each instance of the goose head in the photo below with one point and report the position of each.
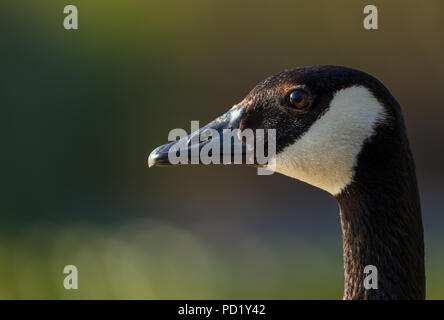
(321, 116)
(340, 130)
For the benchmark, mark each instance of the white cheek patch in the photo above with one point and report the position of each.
(326, 154)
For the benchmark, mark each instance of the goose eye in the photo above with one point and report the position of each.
(299, 99)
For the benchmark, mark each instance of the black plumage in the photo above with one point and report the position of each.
(380, 206)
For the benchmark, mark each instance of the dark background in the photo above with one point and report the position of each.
(82, 110)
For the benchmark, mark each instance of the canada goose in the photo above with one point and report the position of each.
(341, 130)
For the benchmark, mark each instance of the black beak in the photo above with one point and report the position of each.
(211, 137)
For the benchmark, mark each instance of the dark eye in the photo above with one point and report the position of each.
(299, 99)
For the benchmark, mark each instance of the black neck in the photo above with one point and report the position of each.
(381, 221)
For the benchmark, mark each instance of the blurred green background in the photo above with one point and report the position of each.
(81, 111)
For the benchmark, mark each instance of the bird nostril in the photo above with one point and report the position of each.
(205, 136)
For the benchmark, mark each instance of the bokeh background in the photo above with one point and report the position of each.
(81, 110)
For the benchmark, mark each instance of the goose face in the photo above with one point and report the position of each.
(322, 116)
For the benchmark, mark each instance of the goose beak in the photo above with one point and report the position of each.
(209, 137)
